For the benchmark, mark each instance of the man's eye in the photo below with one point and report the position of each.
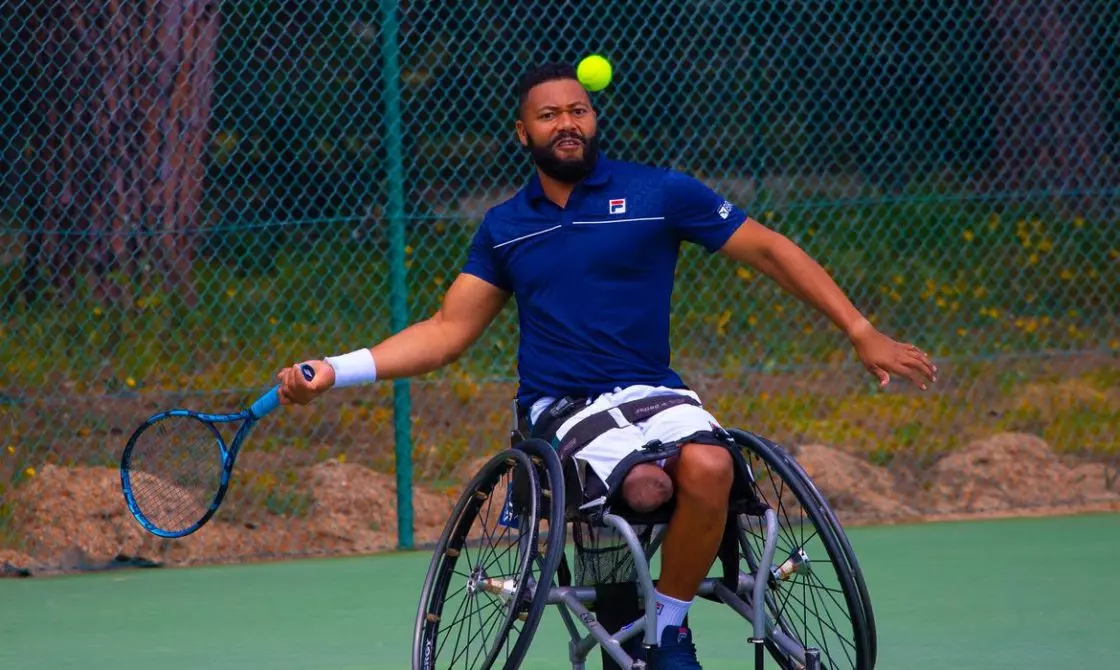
(579, 111)
(547, 116)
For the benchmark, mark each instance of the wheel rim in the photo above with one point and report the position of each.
(812, 596)
(477, 596)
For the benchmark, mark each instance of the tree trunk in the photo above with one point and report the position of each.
(125, 89)
(1048, 123)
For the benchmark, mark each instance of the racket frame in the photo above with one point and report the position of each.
(249, 416)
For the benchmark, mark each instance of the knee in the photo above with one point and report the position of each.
(705, 471)
(646, 487)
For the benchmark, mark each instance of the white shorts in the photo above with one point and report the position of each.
(605, 452)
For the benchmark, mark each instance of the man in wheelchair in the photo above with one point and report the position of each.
(588, 248)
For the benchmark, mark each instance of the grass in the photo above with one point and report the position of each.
(1019, 306)
(949, 276)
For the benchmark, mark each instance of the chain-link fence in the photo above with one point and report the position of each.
(196, 193)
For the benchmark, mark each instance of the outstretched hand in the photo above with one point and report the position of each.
(883, 357)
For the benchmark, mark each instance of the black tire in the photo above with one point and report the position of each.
(846, 546)
(844, 642)
(551, 476)
(517, 471)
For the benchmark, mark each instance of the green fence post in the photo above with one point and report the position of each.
(398, 289)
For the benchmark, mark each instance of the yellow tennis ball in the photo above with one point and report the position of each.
(594, 72)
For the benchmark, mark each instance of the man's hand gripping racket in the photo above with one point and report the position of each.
(176, 467)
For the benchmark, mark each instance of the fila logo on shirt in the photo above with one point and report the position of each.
(617, 206)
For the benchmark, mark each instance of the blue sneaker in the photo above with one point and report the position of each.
(676, 651)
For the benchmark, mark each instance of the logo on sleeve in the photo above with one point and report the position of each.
(618, 206)
(724, 210)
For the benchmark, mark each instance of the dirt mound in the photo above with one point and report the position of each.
(856, 489)
(76, 517)
(359, 506)
(1012, 471)
(14, 564)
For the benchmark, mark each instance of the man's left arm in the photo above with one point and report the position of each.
(779, 258)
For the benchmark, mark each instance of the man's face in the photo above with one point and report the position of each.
(558, 127)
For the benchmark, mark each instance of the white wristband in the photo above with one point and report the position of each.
(356, 367)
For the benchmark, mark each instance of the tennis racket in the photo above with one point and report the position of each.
(176, 467)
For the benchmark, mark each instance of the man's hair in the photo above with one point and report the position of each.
(539, 75)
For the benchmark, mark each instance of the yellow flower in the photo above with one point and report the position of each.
(940, 302)
(1045, 245)
(437, 280)
(30, 472)
(1113, 254)
(131, 382)
(97, 311)
(897, 279)
(1114, 345)
(272, 320)
(11, 449)
(1066, 274)
(1078, 222)
(231, 291)
(408, 249)
(993, 221)
(1033, 259)
(962, 332)
(968, 236)
(342, 458)
(994, 313)
(744, 273)
(752, 320)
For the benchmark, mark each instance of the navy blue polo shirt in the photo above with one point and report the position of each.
(593, 280)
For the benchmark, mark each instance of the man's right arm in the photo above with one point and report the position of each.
(468, 308)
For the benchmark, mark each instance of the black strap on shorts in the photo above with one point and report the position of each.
(591, 427)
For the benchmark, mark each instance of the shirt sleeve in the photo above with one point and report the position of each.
(699, 214)
(482, 260)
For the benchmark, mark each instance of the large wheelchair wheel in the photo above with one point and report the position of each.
(846, 547)
(817, 597)
(487, 584)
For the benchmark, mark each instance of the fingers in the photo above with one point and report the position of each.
(884, 377)
(926, 362)
(927, 368)
(294, 387)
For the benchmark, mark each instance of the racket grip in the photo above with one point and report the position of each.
(271, 400)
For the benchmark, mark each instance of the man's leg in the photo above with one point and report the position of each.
(646, 487)
(702, 475)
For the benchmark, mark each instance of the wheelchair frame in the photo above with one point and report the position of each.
(751, 594)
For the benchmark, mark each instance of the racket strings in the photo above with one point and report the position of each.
(176, 471)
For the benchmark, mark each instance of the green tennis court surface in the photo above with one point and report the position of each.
(1021, 593)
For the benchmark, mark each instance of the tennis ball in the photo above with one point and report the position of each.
(594, 72)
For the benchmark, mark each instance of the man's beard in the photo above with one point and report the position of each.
(568, 171)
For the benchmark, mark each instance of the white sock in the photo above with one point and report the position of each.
(670, 612)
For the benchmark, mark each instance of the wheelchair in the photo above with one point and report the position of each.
(784, 566)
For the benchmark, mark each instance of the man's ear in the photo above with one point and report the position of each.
(519, 127)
